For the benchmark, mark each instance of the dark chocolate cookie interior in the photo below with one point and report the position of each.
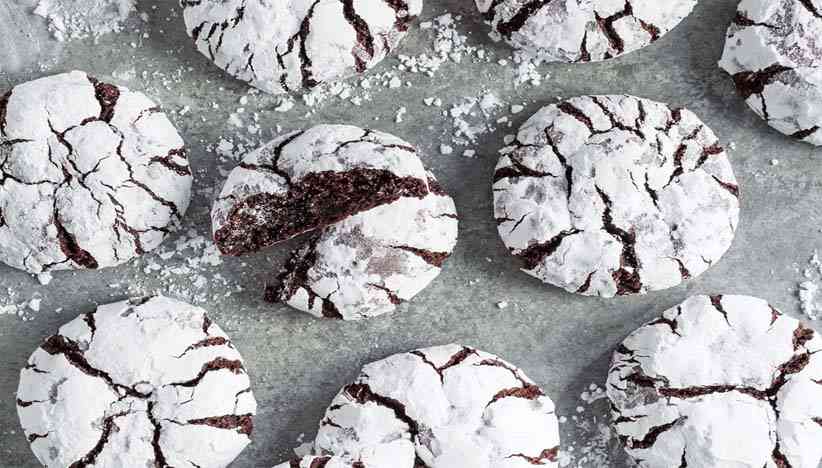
(317, 200)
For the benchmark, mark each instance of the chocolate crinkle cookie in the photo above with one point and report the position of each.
(383, 226)
(292, 45)
(582, 30)
(719, 381)
(145, 382)
(615, 195)
(772, 52)
(91, 174)
(458, 406)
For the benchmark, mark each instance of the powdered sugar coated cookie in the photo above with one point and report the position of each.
(458, 405)
(145, 382)
(772, 52)
(293, 45)
(91, 174)
(582, 31)
(384, 225)
(719, 381)
(615, 195)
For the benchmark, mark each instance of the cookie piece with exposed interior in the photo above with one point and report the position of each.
(772, 52)
(91, 174)
(582, 31)
(294, 45)
(311, 179)
(144, 382)
(719, 381)
(458, 405)
(383, 225)
(615, 195)
(368, 264)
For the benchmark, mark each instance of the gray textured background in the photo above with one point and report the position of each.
(562, 341)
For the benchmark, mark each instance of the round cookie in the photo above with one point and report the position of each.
(772, 52)
(459, 406)
(582, 31)
(395, 454)
(384, 225)
(144, 382)
(91, 174)
(719, 381)
(615, 195)
(293, 45)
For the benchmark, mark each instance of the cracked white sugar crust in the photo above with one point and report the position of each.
(144, 382)
(615, 195)
(719, 381)
(91, 174)
(582, 31)
(459, 406)
(395, 454)
(773, 53)
(368, 264)
(295, 45)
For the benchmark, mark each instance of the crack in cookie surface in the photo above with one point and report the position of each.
(90, 182)
(289, 50)
(713, 375)
(572, 31)
(137, 377)
(615, 195)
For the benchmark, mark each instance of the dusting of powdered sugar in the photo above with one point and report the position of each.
(587, 438)
(72, 19)
(810, 298)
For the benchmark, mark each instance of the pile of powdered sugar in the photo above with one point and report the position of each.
(73, 19)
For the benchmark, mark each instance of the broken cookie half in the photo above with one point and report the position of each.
(382, 225)
(615, 195)
(144, 382)
(91, 174)
(452, 405)
(575, 31)
(719, 381)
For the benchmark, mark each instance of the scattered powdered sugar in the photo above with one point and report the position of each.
(186, 269)
(587, 439)
(11, 304)
(449, 44)
(526, 70)
(73, 19)
(810, 298)
(472, 117)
